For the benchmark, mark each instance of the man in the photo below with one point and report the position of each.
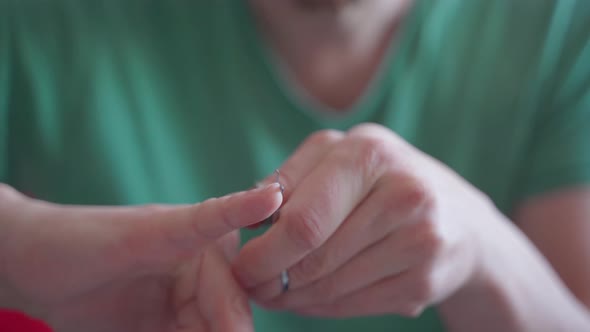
(443, 175)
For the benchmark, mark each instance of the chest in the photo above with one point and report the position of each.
(164, 119)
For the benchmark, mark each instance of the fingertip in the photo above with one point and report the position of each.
(276, 191)
(264, 202)
(235, 313)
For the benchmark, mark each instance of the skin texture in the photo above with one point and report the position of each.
(557, 224)
(388, 231)
(372, 226)
(136, 269)
(357, 244)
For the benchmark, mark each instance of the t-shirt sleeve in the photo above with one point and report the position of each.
(558, 155)
(4, 93)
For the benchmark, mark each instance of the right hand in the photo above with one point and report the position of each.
(128, 269)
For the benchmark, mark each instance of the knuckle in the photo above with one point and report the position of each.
(309, 269)
(412, 193)
(431, 240)
(304, 230)
(364, 129)
(374, 148)
(373, 154)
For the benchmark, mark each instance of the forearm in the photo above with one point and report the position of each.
(11, 209)
(515, 290)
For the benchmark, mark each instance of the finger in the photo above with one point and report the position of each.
(395, 201)
(391, 256)
(301, 162)
(189, 319)
(315, 210)
(184, 293)
(305, 158)
(191, 279)
(357, 232)
(387, 296)
(223, 303)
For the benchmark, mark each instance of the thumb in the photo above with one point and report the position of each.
(183, 230)
(76, 247)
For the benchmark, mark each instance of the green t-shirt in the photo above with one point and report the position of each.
(130, 102)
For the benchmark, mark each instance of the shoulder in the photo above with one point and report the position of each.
(561, 28)
(533, 44)
(58, 18)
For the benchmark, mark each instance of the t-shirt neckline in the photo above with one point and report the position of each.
(299, 101)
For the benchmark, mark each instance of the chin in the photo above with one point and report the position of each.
(323, 4)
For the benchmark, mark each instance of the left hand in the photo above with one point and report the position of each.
(150, 268)
(370, 226)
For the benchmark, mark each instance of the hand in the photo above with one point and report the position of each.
(130, 269)
(370, 226)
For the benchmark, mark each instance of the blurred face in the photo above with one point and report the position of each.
(333, 21)
(322, 8)
(322, 4)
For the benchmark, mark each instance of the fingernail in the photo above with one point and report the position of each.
(270, 188)
(273, 187)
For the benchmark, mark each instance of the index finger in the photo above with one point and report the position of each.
(302, 162)
(315, 210)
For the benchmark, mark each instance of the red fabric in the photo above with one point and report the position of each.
(11, 321)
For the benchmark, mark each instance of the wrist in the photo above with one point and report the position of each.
(488, 296)
(513, 288)
(489, 241)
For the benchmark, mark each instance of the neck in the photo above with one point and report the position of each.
(332, 49)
